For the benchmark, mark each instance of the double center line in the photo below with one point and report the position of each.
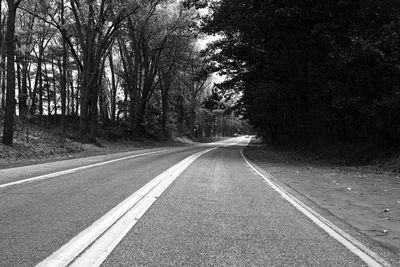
(92, 246)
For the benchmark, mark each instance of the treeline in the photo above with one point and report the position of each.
(314, 71)
(217, 117)
(131, 66)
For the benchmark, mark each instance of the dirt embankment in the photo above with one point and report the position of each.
(44, 145)
(367, 198)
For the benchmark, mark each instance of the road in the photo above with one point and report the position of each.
(187, 206)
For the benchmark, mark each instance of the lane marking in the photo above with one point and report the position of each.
(356, 247)
(230, 141)
(69, 171)
(92, 246)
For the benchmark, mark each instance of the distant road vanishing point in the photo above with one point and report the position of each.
(202, 205)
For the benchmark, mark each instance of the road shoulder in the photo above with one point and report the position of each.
(351, 197)
(14, 158)
(217, 213)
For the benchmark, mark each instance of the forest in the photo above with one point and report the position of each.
(312, 73)
(120, 68)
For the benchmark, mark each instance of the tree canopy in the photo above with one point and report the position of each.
(312, 70)
(129, 68)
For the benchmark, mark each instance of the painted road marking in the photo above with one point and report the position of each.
(357, 248)
(69, 171)
(92, 246)
(231, 141)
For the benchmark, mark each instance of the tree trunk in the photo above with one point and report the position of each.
(38, 80)
(165, 110)
(41, 93)
(67, 98)
(19, 85)
(104, 102)
(113, 86)
(149, 73)
(54, 88)
(93, 115)
(23, 108)
(1, 52)
(88, 79)
(3, 87)
(78, 92)
(101, 104)
(48, 98)
(63, 73)
(3, 62)
(192, 118)
(139, 118)
(129, 73)
(10, 97)
(126, 103)
(135, 88)
(72, 93)
(165, 102)
(84, 106)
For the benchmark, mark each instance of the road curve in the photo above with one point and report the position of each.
(219, 214)
(38, 218)
(210, 211)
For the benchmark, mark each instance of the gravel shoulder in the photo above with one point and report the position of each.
(368, 199)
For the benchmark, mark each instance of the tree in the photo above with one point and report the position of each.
(149, 50)
(75, 57)
(195, 82)
(10, 95)
(93, 26)
(311, 71)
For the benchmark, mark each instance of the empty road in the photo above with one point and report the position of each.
(202, 205)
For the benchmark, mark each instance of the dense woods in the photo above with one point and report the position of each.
(306, 72)
(124, 68)
(315, 72)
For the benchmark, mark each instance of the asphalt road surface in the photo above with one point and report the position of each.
(191, 206)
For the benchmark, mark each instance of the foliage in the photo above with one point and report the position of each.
(312, 70)
(122, 67)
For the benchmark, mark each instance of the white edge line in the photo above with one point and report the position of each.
(71, 250)
(56, 174)
(357, 248)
